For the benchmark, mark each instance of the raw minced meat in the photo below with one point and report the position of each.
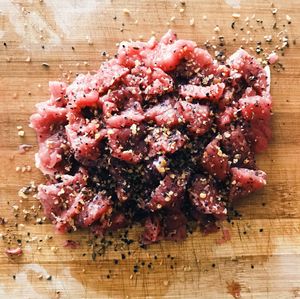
(161, 134)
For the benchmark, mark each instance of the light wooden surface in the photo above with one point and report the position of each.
(265, 263)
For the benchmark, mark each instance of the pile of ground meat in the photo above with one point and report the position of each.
(160, 135)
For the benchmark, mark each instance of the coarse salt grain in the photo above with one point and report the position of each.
(166, 282)
(236, 15)
(217, 29)
(288, 18)
(126, 11)
(202, 195)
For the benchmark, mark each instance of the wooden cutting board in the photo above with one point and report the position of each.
(263, 255)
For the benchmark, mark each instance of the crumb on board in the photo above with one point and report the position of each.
(236, 15)
(126, 11)
(192, 22)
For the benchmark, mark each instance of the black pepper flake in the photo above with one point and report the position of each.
(116, 262)
(261, 230)
(5, 45)
(14, 277)
(143, 246)
(232, 25)
(252, 267)
(123, 256)
(73, 48)
(213, 265)
(49, 277)
(108, 276)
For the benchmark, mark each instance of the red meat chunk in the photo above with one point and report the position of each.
(174, 224)
(52, 155)
(65, 221)
(165, 55)
(58, 93)
(212, 92)
(153, 231)
(225, 118)
(255, 108)
(201, 57)
(249, 68)
(12, 252)
(163, 141)
(109, 73)
(171, 227)
(151, 81)
(111, 222)
(237, 147)
(196, 116)
(206, 198)
(259, 134)
(120, 99)
(169, 193)
(93, 210)
(214, 161)
(48, 119)
(164, 114)
(84, 137)
(245, 181)
(132, 115)
(58, 198)
(127, 144)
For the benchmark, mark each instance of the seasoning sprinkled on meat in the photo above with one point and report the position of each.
(160, 134)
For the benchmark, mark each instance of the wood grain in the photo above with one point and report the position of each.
(263, 255)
